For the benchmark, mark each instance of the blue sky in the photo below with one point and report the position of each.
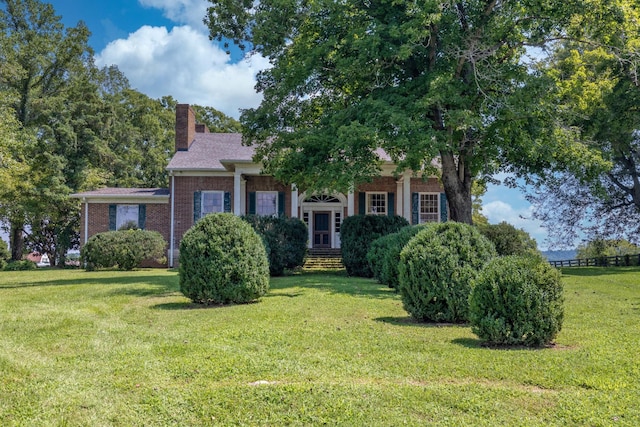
(163, 48)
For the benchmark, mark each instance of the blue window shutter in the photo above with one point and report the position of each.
(142, 216)
(391, 204)
(415, 208)
(281, 199)
(252, 203)
(362, 203)
(443, 207)
(197, 205)
(113, 209)
(227, 201)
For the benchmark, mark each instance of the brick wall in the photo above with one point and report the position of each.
(267, 183)
(185, 126)
(185, 188)
(431, 185)
(385, 184)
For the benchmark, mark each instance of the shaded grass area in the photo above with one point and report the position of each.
(126, 348)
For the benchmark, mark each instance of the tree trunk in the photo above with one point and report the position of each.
(457, 180)
(17, 241)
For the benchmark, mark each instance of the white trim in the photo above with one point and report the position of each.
(268, 192)
(399, 198)
(126, 200)
(203, 193)
(406, 196)
(351, 204)
(237, 184)
(172, 226)
(420, 205)
(86, 220)
(367, 202)
(200, 172)
(294, 201)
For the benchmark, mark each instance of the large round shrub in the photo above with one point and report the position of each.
(508, 240)
(517, 300)
(437, 268)
(222, 261)
(358, 232)
(384, 254)
(5, 255)
(285, 240)
(125, 249)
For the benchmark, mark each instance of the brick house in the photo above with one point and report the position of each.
(214, 172)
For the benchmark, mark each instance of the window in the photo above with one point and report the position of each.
(305, 218)
(267, 203)
(377, 203)
(212, 202)
(127, 214)
(338, 222)
(429, 203)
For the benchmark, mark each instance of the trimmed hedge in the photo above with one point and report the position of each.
(358, 232)
(125, 249)
(5, 255)
(508, 240)
(285, 240)
(517, 300)
(437, 269)
(223, 261)
(384, 254)
(21, 265)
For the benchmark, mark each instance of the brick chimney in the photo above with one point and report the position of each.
(201, 128)
(185, 127)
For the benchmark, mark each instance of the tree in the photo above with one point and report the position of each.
(215, 120)
(438, 79)
(599, 248)
(38, 55)
(598, 95)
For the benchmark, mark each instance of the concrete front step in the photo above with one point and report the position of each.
(315, 262)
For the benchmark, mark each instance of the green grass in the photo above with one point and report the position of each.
(125, 348)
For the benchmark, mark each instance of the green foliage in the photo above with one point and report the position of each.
(509, 240)
(285, 240)
(358, 232)
(5, 255)
(216, 121)
(437, 268)
(21, 265)
(222, 261)
(599, 248)
(419, 79)
(517, 300)
(125, 249)
(384, 254)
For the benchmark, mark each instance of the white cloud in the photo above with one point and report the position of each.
(190, 12)
(185, 64)
(520, 217)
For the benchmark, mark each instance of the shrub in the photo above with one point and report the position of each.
(222, 261)
(517, 301)
(20, 265)
(285, 240)
(384, 255)
(437, 268)
(125, 249)
(358, 232)
(509, 240)
(5, 255)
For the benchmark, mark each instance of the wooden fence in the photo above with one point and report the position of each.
(610, 261)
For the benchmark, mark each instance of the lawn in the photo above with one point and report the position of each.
(126, 348)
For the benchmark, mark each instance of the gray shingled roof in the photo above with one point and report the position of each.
(209, 150)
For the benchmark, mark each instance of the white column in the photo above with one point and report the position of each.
(351, 205)
(243, 196)
(399, 197)
(237, 177)
(406, 196)
(86, 220)
(294, 201)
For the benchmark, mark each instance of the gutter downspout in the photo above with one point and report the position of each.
(172, 232)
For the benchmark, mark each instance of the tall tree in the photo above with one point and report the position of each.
(435, 79)
(598, 76)
(38, 55)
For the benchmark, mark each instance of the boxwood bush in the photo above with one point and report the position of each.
(5, 255)
(222, 261)
(285, 240)
(437, 268)
(508, 240)
(21, 265)
(124, 249)
(358, 232)
(384, 254)
(517, 300)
